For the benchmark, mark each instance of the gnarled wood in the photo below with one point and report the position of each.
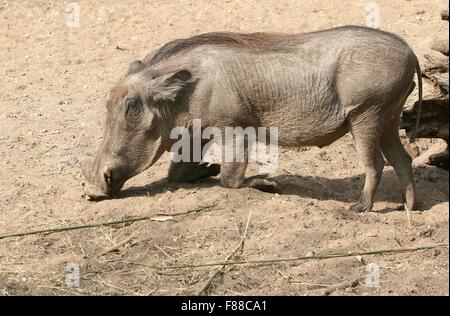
(444, 14)
(440, 45)
(434, 64)
(433, 124)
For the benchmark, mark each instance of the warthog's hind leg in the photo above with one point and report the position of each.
(400, 160)
(366, 136)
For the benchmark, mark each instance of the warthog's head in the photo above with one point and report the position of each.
(137, 123)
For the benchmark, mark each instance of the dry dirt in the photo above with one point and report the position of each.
(53, 82)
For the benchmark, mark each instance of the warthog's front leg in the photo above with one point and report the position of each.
(233, 176)
(191, 171)
(232, 173)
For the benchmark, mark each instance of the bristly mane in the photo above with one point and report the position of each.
(269, 42)
(258, 41)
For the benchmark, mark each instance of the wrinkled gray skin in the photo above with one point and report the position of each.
(314, 87)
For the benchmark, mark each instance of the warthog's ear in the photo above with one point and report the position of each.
(135, 66)
(167, 87)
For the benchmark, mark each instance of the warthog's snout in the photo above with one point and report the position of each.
(108, 177)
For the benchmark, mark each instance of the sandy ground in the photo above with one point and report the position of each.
(53, 82)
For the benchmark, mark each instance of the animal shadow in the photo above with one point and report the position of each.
(345, 190)
(348, 189)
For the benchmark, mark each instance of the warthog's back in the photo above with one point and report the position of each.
(305, 84)
(268, 42)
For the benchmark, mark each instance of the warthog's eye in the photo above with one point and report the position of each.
(133, 109)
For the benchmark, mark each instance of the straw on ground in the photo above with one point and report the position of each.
(156, 217)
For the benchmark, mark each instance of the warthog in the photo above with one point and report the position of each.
(314, 87)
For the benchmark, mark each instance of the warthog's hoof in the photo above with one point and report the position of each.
(214, 170)
(265, 185)
(360, 207)
(439, 160)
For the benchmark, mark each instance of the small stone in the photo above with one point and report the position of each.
(427, 232)
(69, 160)
(322, 153)
(360, 259)
(436, 252)
(66, 146)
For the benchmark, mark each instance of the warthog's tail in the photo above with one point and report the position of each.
(419, 102)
